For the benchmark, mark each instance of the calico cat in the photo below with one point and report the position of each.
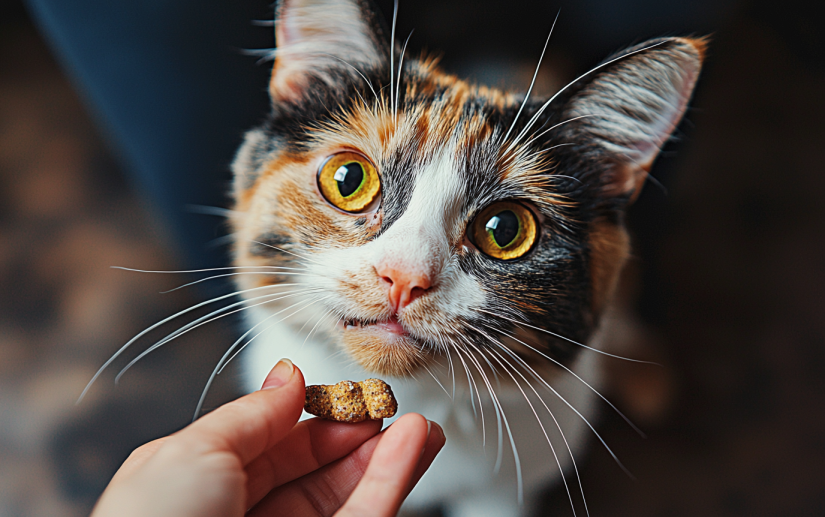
(460, 241)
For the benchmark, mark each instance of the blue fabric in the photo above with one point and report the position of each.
(174, 93)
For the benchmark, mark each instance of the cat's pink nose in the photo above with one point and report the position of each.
(404, 285)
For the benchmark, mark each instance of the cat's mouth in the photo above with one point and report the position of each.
(382, 346)
(391, 325)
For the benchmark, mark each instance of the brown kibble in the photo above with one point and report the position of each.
(350, 401)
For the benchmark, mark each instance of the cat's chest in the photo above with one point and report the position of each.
(479, 459)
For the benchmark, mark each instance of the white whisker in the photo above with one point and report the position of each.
(536, 137)
(308, 304)
(524, 324)
(519, 480)
(223, 240)
(204, 320)
(287, 252)
(571, 372)
(369, 83)
(211, 210)
(544, 106)
(436, 380)
(533, 81)
(493, 400)
(207, 270)
(451, 368)
(585, 420)
(400, 69)
(228, 353)
(472, 383)
(312, 330)
(215, 277)
(158, 324)
(392, 56)
(541, 425)
(555, 421)
(546, 149)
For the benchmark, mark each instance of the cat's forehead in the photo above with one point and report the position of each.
(435, 110)
(442, 120)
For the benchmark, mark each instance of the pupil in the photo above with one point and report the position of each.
(349, 177)
(504, 228)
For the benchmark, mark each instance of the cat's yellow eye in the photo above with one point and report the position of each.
(505, 230)
(349, 181)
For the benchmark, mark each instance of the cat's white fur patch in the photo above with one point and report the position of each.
(463, 476)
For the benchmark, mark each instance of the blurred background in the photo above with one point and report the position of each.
(116, 119)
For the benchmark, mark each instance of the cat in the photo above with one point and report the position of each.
(462, 242)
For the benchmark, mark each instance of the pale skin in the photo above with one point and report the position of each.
(252, 457)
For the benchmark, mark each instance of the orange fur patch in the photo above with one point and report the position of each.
(700, 44)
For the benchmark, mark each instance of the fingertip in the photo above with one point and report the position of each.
(414, 422)
(281, 374)
(283, 387)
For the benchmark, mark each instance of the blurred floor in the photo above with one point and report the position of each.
(66, 216)
(734, 285)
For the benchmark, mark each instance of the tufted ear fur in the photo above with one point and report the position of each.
(632, 105)
(324, 39)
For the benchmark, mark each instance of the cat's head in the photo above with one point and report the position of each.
(426, 215)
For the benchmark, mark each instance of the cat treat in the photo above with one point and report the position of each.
(350, 401)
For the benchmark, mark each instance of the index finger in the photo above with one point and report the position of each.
(252, 424)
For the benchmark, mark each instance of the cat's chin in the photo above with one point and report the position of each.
(383, 348)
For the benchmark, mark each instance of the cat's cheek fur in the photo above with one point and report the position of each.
(258, 149)
(352, 286)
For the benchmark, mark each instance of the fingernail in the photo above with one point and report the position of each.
(279, 375)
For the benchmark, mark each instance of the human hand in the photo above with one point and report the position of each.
(253, 455)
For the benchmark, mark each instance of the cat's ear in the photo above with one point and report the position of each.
(631, 105)
(326, 40)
